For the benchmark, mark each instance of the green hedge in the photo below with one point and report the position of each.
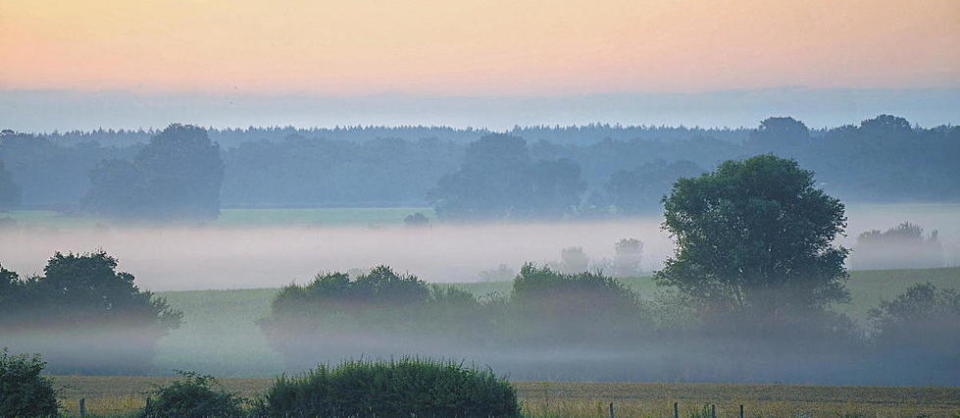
(406, 387)
(23, 391)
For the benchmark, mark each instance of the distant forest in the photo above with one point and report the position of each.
(541, 171)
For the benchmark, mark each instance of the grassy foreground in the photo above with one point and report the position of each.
(121, 395)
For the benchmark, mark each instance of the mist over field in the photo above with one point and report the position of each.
(237, 256)
(431, 208)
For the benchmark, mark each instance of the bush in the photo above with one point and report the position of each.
(408, 387)
(550, 307)
(923, 317)
(193, 397)
(79, 303)
(23, 391)
(335, 302)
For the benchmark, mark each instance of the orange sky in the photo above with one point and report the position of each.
(466, 47)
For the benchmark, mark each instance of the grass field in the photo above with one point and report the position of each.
(121, 395)
(221, 336)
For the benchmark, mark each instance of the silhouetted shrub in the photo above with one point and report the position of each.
(549, 306)
(403, 388)
(334, 301)
(924, 317)
(416, 219)
(192, 397)
(23, 391)
(84, 315)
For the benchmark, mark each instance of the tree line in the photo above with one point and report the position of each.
(750, 294)
(587, 171)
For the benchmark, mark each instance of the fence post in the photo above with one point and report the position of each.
(83, 407)
(611, 411)
(676, 410)
(741, 410)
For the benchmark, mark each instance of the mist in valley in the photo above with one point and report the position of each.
(214, 257)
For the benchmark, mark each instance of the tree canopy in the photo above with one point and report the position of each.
(755, 234)
(176, 176)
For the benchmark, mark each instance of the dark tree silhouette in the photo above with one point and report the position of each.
(756, 234)
(89, 317)
(176, 176)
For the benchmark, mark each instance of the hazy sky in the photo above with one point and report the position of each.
(465, 47)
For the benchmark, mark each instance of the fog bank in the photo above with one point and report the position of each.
(187, 258)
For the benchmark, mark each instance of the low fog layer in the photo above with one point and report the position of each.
(182, 258)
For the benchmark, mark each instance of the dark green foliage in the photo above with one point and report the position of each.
(83, 289)
(400, 388)
(84, 315)
(917, 335)
(23, 391)
(924, 316)
(550, 306)
(176, 176)
(336, 294)
(756, 234)
(192, 397)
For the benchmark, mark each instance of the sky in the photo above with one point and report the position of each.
(339, 50)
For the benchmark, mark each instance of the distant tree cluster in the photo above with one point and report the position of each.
(749, 294)
(499, 179)
(903, 246)
(592, 170)
(177, 175)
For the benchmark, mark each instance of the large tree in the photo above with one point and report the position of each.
(756, 233)
(176, 176)
(84, 315)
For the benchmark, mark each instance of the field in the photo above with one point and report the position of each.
(117, 396)
(223, 339)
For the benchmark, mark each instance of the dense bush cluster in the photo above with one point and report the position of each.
(23, 391)
(921, 325)
(193, 397)
(399, 388)
(382, 312)
(84, 315)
